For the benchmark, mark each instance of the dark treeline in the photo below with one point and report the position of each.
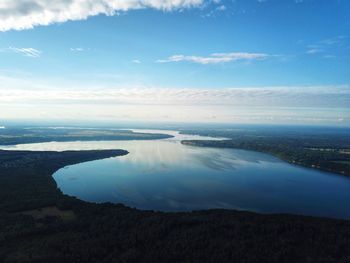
(83, 232)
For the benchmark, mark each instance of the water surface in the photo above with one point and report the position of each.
(168, 176)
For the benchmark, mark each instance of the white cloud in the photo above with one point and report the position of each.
(324, 104)
(20, 14)
(136, 61)
(215, 58)
(313, 96)
(314, 51)
(221, 8)
(28, 52)
(77, 49)
(328, 44)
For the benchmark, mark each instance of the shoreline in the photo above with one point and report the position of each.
(40, 223)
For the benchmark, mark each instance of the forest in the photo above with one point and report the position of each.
(40, 224)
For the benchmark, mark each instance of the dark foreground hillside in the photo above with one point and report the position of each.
(40, 224)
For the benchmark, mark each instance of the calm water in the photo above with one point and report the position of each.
(165, 175)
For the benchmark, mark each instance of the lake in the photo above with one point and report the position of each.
(165, 175)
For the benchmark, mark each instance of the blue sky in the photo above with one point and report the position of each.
(148, 47)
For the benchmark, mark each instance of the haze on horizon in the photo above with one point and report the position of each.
(209, 61)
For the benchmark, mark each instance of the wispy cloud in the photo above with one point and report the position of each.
(221, 8)
(325, 104)
(78, 49)
(337, 40)
(314, 51)
(315, 96)
(19, 14)
(215, 58)
(136, 61)
(329, 56)
(214, 8)
(327, 45)
(28, 52)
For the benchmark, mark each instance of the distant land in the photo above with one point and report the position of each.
(327, 149)
(12, 136)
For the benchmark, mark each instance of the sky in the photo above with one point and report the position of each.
(215, 61)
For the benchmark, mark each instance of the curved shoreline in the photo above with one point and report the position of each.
(39, 223)
(284, 157)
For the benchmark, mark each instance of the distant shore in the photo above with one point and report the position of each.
(39, 135)
(285, 154)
